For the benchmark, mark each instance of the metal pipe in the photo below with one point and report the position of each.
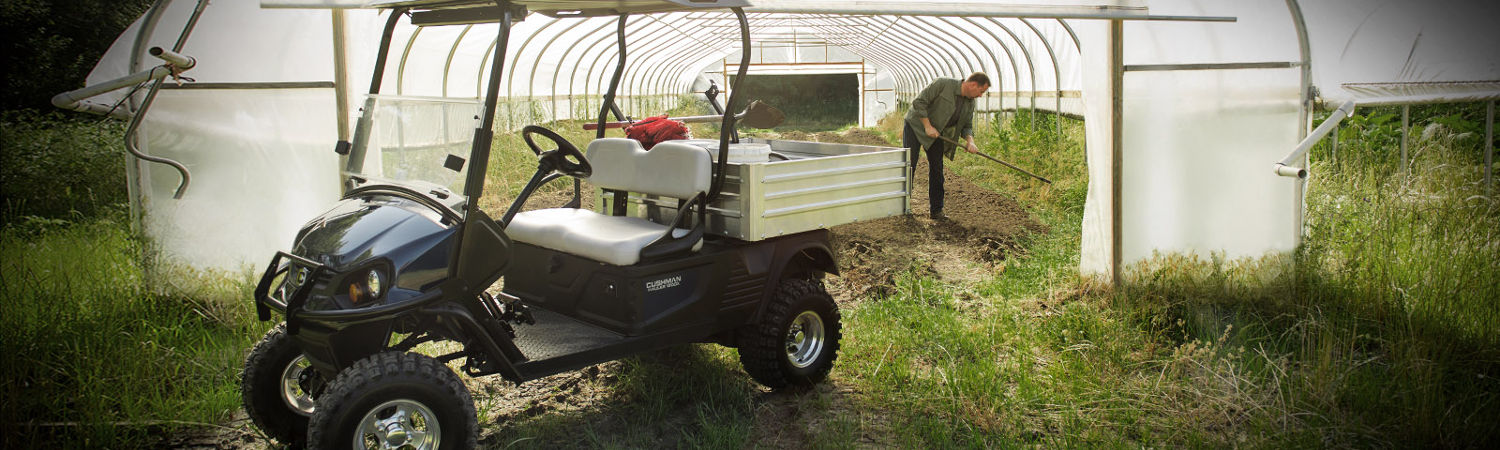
(132, 131)
(1405, 127)
(1117, 149)
(1284, 167)
(362, 128)
(614, 81)
(1056, 78)
(180, 61)
(727, 126)
(1489, 147)
(484, 134)
(341, 75)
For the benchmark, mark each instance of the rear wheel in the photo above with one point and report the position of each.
(271, 388)
(796, 340)
(395, 400)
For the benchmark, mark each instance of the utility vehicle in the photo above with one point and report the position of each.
(688, 246)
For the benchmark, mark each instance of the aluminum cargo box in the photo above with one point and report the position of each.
(822, 185)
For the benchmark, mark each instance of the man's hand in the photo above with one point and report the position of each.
(931, 131)
(972, 148)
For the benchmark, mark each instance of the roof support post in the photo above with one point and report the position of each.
(1299, 198)
(1405, 127)
(483, 136)
(1489, 148)
(1030, 68)
(1056, 79)
(1117, 146)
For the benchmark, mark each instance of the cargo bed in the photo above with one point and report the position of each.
(821, 185)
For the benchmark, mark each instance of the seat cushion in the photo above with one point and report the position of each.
(671, 168)
(609, 239)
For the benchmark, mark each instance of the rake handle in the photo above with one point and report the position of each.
(991, 158)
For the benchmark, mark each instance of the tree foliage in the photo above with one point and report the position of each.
(53, 44)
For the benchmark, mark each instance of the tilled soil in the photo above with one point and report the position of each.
(983, 230)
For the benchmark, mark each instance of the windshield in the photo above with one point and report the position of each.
(422, 143)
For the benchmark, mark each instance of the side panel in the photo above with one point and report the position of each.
(630, 300)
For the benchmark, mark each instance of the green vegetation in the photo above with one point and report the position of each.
(102, 348)
(106, 344)
(1380, 330)
(810, 102)
(59, 167)
(1383, 333)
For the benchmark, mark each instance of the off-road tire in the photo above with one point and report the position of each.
(260, 388)
(763, 344)
(372, 381)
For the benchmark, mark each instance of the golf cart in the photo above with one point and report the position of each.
(689, 246)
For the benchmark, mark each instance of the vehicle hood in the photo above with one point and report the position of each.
(376, 226)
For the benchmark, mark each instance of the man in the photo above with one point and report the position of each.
(944, 108)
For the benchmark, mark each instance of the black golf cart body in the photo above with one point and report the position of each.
(405, 260)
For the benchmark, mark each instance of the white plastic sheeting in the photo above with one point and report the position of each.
(1394, 52)
(1197, 139)
(1195, 142)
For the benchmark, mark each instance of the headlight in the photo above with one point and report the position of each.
(366, 288)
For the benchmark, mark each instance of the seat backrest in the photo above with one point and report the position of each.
(670, 169)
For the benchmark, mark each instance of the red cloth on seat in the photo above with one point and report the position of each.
(654, 130)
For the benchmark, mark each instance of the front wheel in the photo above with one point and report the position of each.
(395, 400)
(272, 388)
(797, 338)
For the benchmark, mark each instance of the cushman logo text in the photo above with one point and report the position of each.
(657, 285)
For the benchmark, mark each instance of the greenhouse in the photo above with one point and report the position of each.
(1198, 114)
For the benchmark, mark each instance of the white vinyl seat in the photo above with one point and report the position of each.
(669, 169)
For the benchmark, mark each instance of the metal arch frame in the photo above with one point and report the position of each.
(515, 60)
(835, 33)
(646, 75)
(604, 53)
(656, 80)
(401, 66)
(531, 79)
(564, 58)
(479, 73)
(899, 71)
(995, 61)
(634, 81)
(1014, 68)
(902, 72)
(602, 47)
(1077, 45)
(660, 72)
(930, 45)
(966, 51)
(1030, 68)
(923, 67)
(1056, 76)
(448, 65)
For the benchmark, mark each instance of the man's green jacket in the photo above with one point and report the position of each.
(937, 102)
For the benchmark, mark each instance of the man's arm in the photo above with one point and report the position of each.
(919, 106)
(968, 134)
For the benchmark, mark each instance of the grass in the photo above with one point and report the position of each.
(1381, 330)
(101, 350)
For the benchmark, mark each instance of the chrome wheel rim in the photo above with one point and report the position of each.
(398, 424)
(291, 386)
(804, 339)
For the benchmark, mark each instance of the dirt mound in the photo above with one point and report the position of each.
(860, 136)
(983, 230)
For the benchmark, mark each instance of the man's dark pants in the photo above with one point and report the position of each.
(934, 166)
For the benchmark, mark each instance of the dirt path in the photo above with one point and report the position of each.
(985, 229)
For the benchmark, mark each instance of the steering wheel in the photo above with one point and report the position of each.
(565, 159)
